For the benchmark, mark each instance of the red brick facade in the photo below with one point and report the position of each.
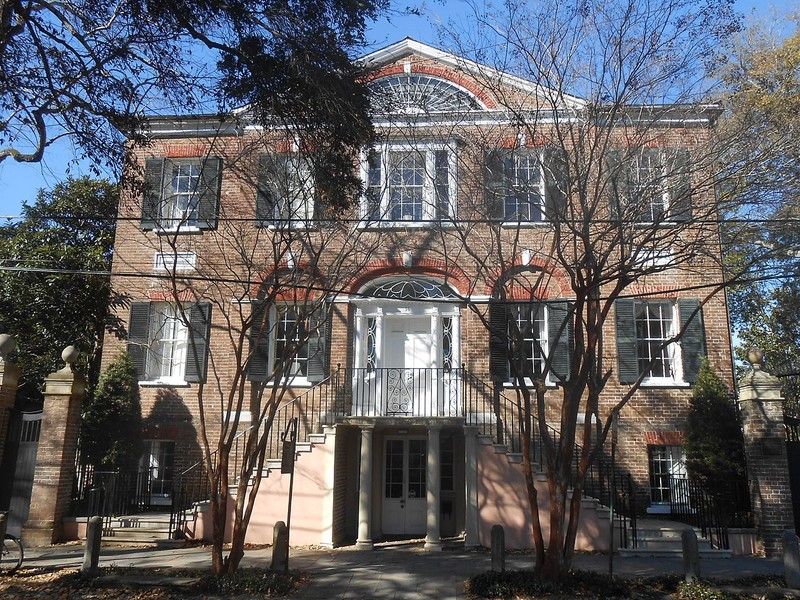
(467, 252)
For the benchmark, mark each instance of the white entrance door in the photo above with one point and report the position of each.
(405, 486)
(407, 376)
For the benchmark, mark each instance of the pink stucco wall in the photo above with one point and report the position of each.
(502, 499)
(272, 502)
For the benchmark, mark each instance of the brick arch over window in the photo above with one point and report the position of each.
(309, 290)
(392, 266)
(444, 73)
(554, 283)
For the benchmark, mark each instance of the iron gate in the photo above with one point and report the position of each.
(19, 463)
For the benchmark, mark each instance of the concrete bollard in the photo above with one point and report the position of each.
(498, 549)
(280, 547)
(691, 554)
(791, 559)
(91, 554)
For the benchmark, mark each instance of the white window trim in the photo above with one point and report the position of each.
(664, 179)
(675, 356)
(539, 154)
(294, 380)
(302, 189)
(168, 195)
(429, 191)
(177, 261)
(178, 379)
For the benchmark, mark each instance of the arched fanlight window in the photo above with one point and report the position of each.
(409, 289)
(415, 94)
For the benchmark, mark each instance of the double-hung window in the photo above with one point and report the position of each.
(525, 185)
(530, 332)
(286, 191)
(654, 328)
(181, 194)
(525, 336)
(410, 183)
(650, 185)
(287, 341)
(168, 343)
(648, 344)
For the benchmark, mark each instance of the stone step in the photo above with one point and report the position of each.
(671, 553)
(163, 541)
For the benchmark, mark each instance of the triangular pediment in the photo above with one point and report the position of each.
(409, 77)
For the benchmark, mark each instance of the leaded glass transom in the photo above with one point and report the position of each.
(409, 289)
(415, 94)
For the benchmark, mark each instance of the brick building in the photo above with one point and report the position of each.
(399, 332)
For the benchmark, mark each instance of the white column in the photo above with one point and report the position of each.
(433, 540)
(472, 529)
(364, 540)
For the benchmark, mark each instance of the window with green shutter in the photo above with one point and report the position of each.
(644, 330)
(181, 194)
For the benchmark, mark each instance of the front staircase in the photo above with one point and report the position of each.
(144, 529)
(662, 539)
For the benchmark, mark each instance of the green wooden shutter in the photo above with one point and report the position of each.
(259, 367)
(617, 183)
(138, 334)
(199, 333)
(209, 192)
(560, 334)
(627, 355)
(318, 324)
(693, 342)
(494, 170)
(266, 192)
(680, 200)
(556, 173)
(153, 191)
(498, 341)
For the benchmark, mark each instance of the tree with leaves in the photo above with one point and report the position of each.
(714, 444)
(111, 423)
(763, 80)
(54, 287)
(91, 71)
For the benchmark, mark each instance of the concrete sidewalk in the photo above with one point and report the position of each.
(401, 570)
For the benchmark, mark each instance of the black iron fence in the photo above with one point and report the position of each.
(711, 507)
(417, 392)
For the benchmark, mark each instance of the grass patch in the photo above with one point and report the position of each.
(254, 581)
(524, 584)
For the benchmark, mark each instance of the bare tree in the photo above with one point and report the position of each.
(254, 295)
(598, 192)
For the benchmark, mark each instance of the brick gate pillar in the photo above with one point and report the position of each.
(55, 460)
(9, 377)
(761, 405)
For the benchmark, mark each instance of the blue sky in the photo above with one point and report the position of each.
(19, 183)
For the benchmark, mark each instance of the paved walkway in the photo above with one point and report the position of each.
(400, 571)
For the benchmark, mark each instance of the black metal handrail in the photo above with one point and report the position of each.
(693, 503)
(314, 408)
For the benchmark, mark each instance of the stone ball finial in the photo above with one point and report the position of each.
(755, 357)
(70, 355)
(7, 345)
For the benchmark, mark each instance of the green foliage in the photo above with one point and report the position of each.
(700, 590)
(254, 581)
(714, 443)
(69, 230)
(525, 584)
(111, 425)
(761, 244)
